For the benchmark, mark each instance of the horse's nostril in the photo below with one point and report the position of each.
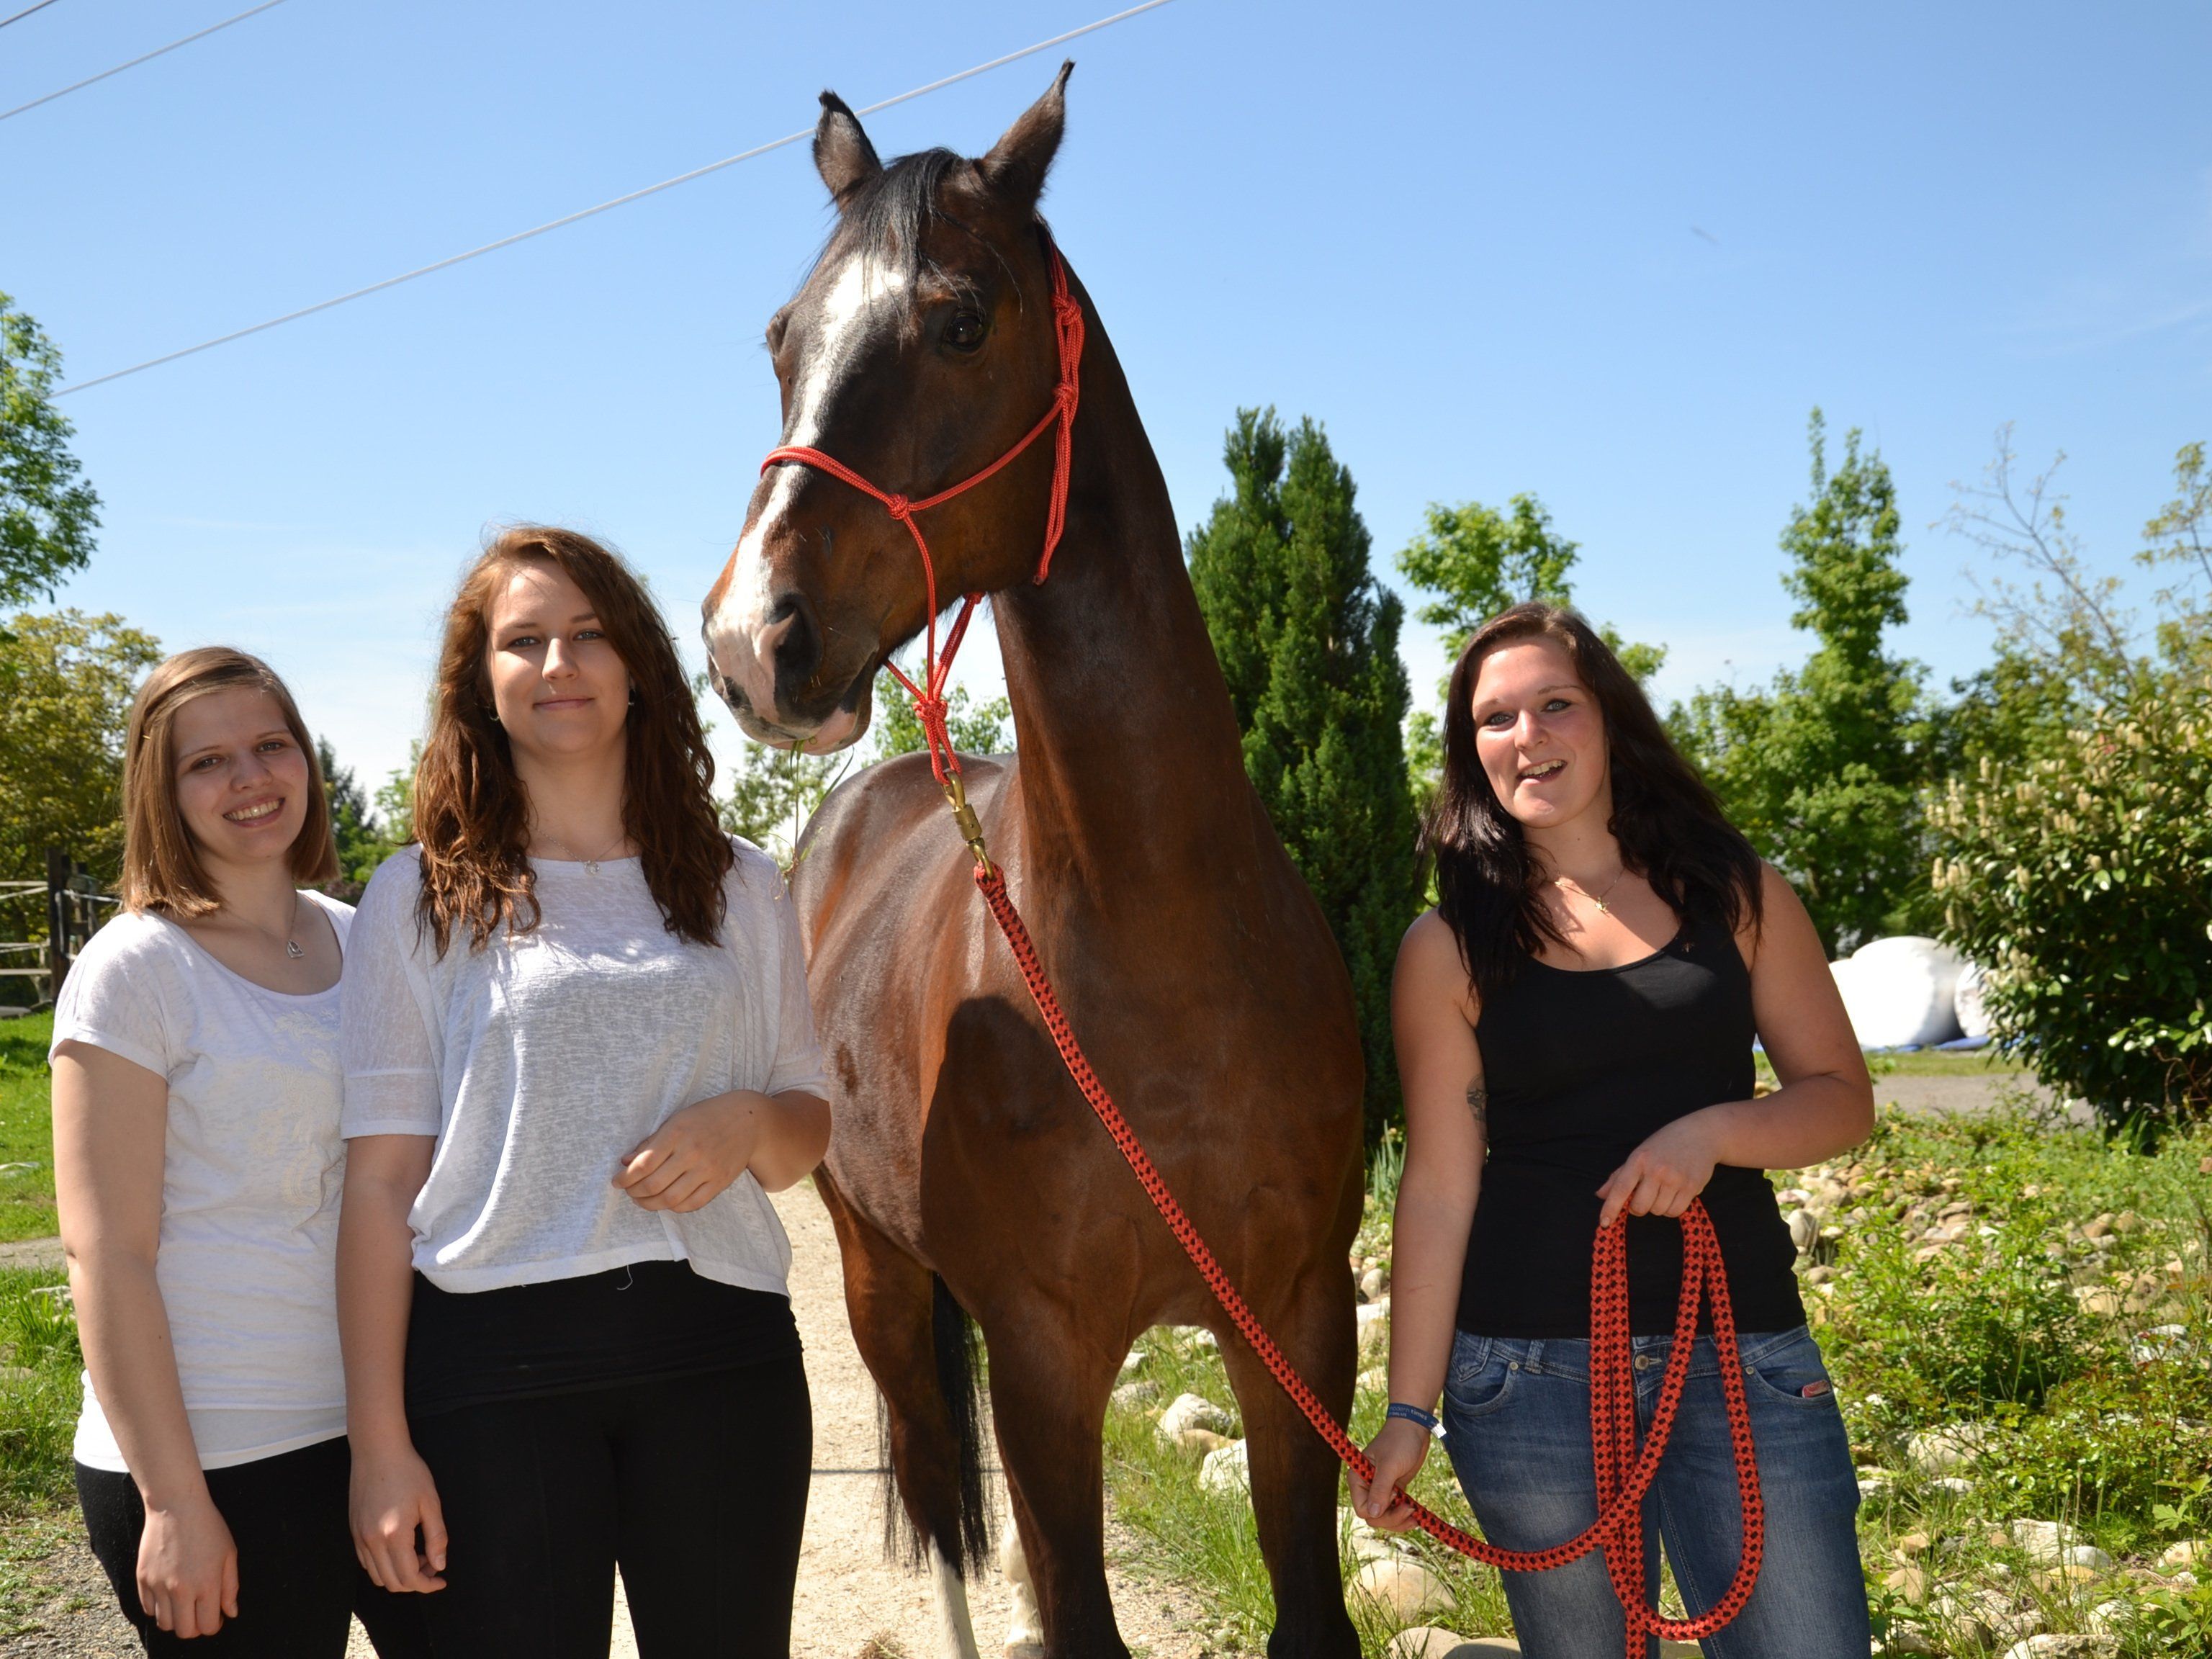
(796, 649)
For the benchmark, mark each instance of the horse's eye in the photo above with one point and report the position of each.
(965, 331)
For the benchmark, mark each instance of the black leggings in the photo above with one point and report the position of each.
(696, 1485)
(299, 1583)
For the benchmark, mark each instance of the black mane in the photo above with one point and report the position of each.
(888, 214)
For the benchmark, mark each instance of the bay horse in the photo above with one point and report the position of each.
(966, 1176)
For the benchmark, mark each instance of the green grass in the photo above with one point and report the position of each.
(26, 1129)
(2080, 1413)
(39, 1388)
(1933, 1062)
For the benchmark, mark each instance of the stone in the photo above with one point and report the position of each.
(1912, 1544)
(1134, 1363)
(1434, 1642)
(1956, 1486)
(1820, 1276)
(1404, 1589)
(1904, 1640)
(1911, 1583)
(1193, 1411)
(1804, 1228)
(1373, 1283)
(1875, 1486)
(2086, 1557)
(2109, 1618)
(1227, 1472)
(1938, 1451)
(2126, 1221)
(1373, 1321)
(2100, 1301)
(2097, 1227)
(1204, 1442)
(2046, 1645)
(2043, 1542)
(1131, 1395)
(2189, 1553)
(1376, 1379)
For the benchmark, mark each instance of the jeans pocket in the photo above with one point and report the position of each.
(1479, 1386)
(1793, 1374)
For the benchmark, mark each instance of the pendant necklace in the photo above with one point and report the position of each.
(591, 864)
(292, 944)
(1598, 899)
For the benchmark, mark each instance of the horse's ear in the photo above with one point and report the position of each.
(1018, 163)
(842, 154)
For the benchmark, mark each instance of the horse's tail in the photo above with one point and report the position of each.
(962, 1536)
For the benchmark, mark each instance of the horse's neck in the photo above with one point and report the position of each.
(1130, 757)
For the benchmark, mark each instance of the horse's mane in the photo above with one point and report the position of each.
(887, 214)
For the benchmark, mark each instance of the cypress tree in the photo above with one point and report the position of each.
(1309, 644)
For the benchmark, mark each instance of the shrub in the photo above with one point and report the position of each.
(2084, 884)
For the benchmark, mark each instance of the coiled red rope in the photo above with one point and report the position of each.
(1624, 1469)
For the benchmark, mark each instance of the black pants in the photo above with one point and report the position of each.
(696, 1485)
(299, 1581)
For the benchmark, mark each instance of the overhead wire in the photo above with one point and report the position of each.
(143, 58)
(605, 206)
(26, 12)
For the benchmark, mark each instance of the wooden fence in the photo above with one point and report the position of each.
(74, 909)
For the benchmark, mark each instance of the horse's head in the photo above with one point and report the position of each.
(920, 348)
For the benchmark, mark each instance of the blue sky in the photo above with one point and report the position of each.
(1465, 237)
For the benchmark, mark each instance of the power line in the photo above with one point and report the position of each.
(619, 201)
(145, 57)
(26, 12)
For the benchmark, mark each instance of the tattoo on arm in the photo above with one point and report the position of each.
(1478, 1101)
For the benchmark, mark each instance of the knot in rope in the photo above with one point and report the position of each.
(899, 507)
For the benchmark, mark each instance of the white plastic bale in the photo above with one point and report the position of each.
(1900, 991)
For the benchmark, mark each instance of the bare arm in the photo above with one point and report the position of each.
(700, 1151)
(110, 1129)
(393, 1496)
(1432, 1010)
(1825, 1105)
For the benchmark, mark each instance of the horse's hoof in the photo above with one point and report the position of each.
(1025, 1650)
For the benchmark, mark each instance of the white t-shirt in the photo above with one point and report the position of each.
(252, 1173)
(539, 1061)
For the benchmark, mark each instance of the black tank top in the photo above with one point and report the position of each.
(1581, 1066)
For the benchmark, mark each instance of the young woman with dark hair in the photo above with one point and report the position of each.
(577, 1056)
(1574, 1022)
(196, 1162)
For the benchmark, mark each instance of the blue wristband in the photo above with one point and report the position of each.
(1399, 1408)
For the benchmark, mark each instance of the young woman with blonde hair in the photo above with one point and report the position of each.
(1574, 1022)
(578, 1054)
(198, 1163)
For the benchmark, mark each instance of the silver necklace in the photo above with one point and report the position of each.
(591, 864)
(291, 944)
(1598, 899)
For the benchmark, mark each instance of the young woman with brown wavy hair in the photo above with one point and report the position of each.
(579, 1053)
(197, 1160)
(1574, 1022)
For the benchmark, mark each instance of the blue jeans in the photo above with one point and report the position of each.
(1517, 1421)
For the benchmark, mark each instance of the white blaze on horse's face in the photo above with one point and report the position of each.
(742, 631)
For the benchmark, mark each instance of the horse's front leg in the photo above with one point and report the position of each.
(1294, 1474)
(1049, 1382)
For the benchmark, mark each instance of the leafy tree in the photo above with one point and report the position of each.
(47, 514)
(1823, 768)
(774, 792)
(985, 729)
(1309, 644)
(66, 681)
(2074, 845)
(1479, 561)
(2083, 884)
(361, 842)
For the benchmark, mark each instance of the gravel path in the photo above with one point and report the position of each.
(849, 1597)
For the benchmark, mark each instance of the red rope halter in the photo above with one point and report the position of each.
(1624, 1471)
(929, 696)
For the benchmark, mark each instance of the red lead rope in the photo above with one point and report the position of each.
(1623, 1470)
